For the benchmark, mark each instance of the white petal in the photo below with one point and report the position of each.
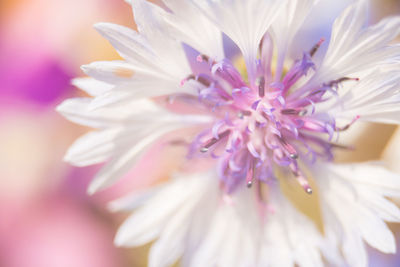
(385, 209)
(148, 222)
(352, 193)
(354, 48)
(371, 174)
(129, 44)
(112, 72)
(207, 253)
(245, 22)
(122, 163)
(283, 243)
(286, 26)
(152, 25)
(92, 148)
(140, 87)
(354, 250)
(91, 86)
(375, 98)
(80, 110)
(376, 233)
(77, 110)
(219, 245)
(171, 244)
(134, 200)
(195, 29)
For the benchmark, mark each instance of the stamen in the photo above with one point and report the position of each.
(190, 77)
(344, 128)
(335, 145)
(260, 82)
(316, 47)
(303, 182)
(334, 83)
(250, 177)
(201, 58)
(203, 81)
(290, 111)
(244, 113)
(289, 149)
(213, 141)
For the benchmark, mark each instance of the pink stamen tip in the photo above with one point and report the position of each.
(199, 58)
(316, 46)
(303, 182)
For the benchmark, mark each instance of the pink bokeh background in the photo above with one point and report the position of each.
(46, 217)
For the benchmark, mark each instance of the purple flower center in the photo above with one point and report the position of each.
(264, 124)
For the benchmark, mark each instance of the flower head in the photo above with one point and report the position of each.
(278, 118)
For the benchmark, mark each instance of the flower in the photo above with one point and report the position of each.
(277, 121)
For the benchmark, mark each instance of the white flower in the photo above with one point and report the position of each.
(278, 123)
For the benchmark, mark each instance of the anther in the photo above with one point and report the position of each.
(203, 81)
(339, 146)
(244, 113)
(251, 175)
(289, 149)
(188, 78)
(290, 111)
(303, 182)
(316, 47)
(343, 79)
(213, 141)
(201, 58)
(260, 82)
(344, 128)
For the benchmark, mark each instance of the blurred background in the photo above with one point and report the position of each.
(46, 218)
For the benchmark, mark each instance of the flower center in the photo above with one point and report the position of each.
(264, 124)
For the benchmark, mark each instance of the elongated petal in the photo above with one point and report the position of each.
(91, 86)
(374, 98)
(92, 148)
(122, 163)
(354, 48)
(80, 110)
(147, 222)
(152, 25)
(195, 29)
(236, 18)
(132, 46)
(77, 110)
(286, 26)
(134, 200)
(352, 192)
